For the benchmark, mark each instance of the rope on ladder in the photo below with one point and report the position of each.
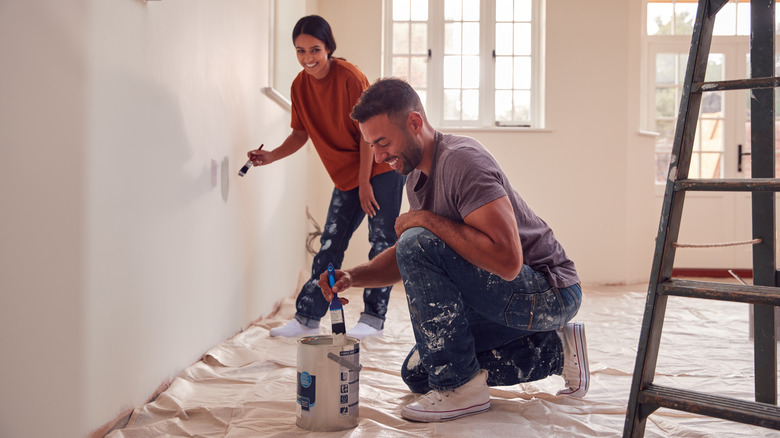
(716, 245)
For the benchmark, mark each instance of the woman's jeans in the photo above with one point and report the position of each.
(344, 216)
(466, 319)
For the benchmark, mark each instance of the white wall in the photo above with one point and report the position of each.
(129, 244)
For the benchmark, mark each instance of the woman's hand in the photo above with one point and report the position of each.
(367, 200)
(260, 157)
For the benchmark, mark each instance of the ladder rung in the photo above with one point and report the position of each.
(729, 185)
(721, 291)
(739, 84)
(759, 414)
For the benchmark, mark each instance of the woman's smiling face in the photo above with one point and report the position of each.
(312, 55)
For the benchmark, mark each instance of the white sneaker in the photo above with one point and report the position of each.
(575, 360)
(293, 329)
(469, 399)
(362, 330)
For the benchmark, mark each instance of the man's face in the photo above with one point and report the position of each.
(391, 144)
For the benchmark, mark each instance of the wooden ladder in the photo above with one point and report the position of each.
(645, 396)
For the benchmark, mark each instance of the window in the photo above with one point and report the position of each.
(474, 63)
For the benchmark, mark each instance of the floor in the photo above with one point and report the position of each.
(246, 387)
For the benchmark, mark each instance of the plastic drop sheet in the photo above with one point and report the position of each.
(246, 386)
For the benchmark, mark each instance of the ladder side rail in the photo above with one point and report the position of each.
(762, 119)
(669, 227)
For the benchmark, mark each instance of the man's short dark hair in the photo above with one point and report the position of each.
(391, 96)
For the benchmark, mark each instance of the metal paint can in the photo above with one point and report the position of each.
(327, 384)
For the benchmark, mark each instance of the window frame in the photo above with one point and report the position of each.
(434, 100)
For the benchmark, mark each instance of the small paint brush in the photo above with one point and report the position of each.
(336, 309)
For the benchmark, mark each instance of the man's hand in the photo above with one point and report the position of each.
(410, 220)
(343, 282)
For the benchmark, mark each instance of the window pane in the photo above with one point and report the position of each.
(659, 18)
(715, 67)
(452, 38)
(400, 38)
(695, 170)
(470, 105)
(523, 10)
(664, 68)
(522, 39)
(452, 72)
(711, 103)
(522, 105)
(471, 10)
(420, 10)
(685, 14)
(418, 77)
(711, 164)
(504, 10)
(523, 72)
(726, 20)
(662, 165)
(503, 105)
(471, 72)
(419, 38)
(504, 38)
(453, 10)
(665, 102)
(471, 38)
(400, 10)
(711, 135)
(743, 18)
(401, 67)
(452, 104)
(503, 72)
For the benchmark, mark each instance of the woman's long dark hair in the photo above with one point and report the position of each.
(317, 27)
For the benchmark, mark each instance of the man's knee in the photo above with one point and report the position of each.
(414, 240)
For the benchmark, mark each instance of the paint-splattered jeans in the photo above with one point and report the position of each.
(466, 319)
(344, 216)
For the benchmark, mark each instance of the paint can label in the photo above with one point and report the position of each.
(307, 390)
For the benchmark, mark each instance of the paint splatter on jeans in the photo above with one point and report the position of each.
(465, 318)
(344, 216)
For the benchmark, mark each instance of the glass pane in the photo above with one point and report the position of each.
(471, 38)
(401, 10)
(420, 10)
(523, 10)
(452, 38)
(522, 106)
(504, 10)
(682, 65)
(503, 72)
(420, 38)
(711, 165)
(665, 139)
(401, 67)
(695, 169)
(400, 38)
(503, 105)
(726, 20)
(664, 68)
(665, 102)
(711, 135)
(452, 72)
(453, 10)
(662, 165)
(452, 104)
(471, 72)
(470, 104)
(503, 38)
(522, 39)
(743, 18)
(471, 10)
(685, 14)
(711, 103)
(659, 18)
(522, 74)
(714, 67)
(418, 77)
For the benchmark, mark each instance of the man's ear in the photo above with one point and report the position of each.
(415, 122)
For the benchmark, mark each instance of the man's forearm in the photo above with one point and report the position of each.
(380, 271)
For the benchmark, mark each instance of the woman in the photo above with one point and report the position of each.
(322, 96)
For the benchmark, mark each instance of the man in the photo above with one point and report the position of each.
(490, 290)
